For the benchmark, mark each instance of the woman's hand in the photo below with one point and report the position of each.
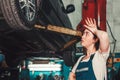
(91, 25)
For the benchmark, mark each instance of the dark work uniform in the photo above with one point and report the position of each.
(85, 71)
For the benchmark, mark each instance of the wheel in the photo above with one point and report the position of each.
(19, 14)
(69, 58)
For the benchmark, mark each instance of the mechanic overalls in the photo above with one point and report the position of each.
(84, 70)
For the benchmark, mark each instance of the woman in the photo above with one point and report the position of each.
(92, 65)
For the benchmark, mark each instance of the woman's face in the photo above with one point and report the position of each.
(87, 39)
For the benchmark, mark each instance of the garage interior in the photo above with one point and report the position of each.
(50, 50)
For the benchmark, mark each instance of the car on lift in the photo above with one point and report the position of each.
(18, 37)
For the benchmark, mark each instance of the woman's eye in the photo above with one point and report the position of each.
(85, 33)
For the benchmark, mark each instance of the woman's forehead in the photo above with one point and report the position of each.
(86, 30)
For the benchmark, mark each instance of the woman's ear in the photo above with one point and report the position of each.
(95, 39)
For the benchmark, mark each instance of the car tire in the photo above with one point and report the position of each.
(18, 14)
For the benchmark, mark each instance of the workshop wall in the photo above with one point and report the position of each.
(113, 17)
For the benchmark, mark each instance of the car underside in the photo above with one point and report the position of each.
(19, 39)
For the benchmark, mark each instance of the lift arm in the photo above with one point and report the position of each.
(61, 30)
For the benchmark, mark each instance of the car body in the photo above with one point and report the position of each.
(18, 37)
